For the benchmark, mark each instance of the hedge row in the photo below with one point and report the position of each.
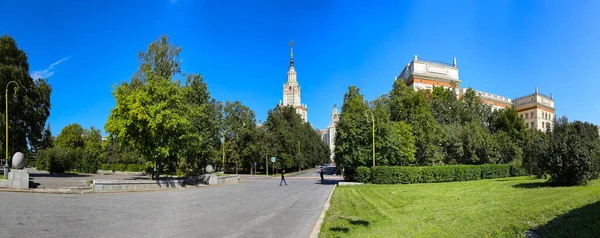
(434, 174)
(124, 167)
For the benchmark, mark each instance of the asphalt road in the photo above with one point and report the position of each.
(258, 208)
(314, 172)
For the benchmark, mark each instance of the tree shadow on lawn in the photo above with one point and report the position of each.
(579, 222)
(352, 222)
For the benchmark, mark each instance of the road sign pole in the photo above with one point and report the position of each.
(267, 165)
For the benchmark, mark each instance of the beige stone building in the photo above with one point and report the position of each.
(328, 135)
(426, 74)
(536, 109)
(497, 102)
(291, 90)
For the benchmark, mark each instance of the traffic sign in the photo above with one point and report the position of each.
(254, 164)
(273, 159)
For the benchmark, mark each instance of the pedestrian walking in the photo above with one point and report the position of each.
(283, 178)
(322, 172)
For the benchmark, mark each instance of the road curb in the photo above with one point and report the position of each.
(317, 228)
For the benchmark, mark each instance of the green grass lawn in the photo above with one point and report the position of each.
(485, 208)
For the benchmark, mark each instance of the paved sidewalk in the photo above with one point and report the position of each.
(258, 208)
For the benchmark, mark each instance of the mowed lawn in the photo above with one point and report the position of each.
(485, 208)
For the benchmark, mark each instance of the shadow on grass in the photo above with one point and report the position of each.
(533, 185)
(579, 222)
(345, 230)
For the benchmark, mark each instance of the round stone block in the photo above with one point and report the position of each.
(18, 160)
(209, 168)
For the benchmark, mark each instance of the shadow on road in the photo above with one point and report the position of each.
(33, 184)
(328, 182)
(579, 222)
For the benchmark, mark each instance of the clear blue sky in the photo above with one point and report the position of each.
(241, 48)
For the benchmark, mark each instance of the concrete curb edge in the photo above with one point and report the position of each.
(317, 228)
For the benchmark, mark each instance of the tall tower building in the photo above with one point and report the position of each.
(536, 109)
(291, 89)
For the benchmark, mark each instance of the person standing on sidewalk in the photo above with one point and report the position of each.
(283, 178)
(322, 179)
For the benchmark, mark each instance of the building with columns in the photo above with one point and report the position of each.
(291, 90)
(536, 109)
(420, 74)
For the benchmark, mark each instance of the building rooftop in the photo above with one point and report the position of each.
(435, 62)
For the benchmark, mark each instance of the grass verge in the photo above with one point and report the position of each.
(497, 207)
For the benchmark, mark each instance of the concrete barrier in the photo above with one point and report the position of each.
(230, 179)
(121, 172)
(134, 185)
(3, 183)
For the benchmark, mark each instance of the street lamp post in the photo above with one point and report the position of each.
(373, 121)
(223, 146)
(6, 113)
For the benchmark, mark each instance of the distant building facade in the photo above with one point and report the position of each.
(328, 135)
(291, 90)
(536, 109)
(497, 102)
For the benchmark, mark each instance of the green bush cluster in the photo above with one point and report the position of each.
(430, 174)
(53, 160)
(517, 170)
(124, 167)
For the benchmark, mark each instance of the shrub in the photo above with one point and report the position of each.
(120, 167)
(490, 171)
(363, 174)
(54, 160)
(467, 172)
(432, 174)
(574, 153)
(394, 175)
(135, 168)
(517, 170)
(106, 167)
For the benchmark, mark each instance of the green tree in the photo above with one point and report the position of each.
(71, 137)
(205, 126)
(535, 153)
(353, 134)
(574, 156)
(29, 107)
(239, 125)
(412, 107)
(150, 114)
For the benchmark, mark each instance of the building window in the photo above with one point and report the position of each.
(532, 125)
(521, 116)
(526, 116)
(526, 125)
(543, 125)
(532, 115)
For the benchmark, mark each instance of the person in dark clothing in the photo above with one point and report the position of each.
(282, 178)
(322, 172)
